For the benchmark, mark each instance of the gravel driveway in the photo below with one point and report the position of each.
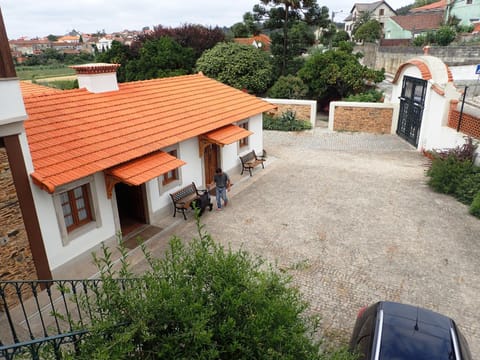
(350, 216)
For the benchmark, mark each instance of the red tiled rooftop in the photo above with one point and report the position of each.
(419, 21)
(439, 5)
(261, 38)
(73, 134)
(29, 88)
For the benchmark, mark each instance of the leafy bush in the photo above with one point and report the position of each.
(288, 87)
(240, 66)
(475, 207)
(200, 301)
(445, 35)
(286, 122)
(446, 174)
(369, 96)
(469, 186)
(461, 153)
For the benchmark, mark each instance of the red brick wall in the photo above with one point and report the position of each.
(377, 120)
(470, 125)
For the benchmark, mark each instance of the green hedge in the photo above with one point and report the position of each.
(453, 172)
(286, 122)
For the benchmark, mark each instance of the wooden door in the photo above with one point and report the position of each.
(211, 161)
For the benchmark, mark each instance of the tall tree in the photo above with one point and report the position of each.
(283, 14)
(370, 31)
(117, 54)
(158, 58)
(240, 66)
(336, 74)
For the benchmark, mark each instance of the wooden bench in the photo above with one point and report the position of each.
(251, 160)
(183, 198)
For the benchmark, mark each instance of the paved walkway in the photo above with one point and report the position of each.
(351, 218)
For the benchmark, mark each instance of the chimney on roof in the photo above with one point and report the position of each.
(97, 78)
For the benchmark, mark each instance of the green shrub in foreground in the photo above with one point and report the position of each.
(475, 206)
(446, 174)
(468, 186)
(201, 301)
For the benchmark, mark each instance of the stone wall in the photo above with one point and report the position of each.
(16, 262)
(362, 117)
(391, 57)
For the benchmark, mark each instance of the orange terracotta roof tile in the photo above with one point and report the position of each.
(262, 39)
(145, 168)
(29, 88)
(439, 5)
(227, 135)
(75, 133)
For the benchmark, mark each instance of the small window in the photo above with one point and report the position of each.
(469, 2)
(243, 142)
(172, 175)
(382, 12)
(76, 207)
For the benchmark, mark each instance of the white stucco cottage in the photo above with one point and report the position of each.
(105, 157)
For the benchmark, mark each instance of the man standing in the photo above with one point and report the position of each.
(222, 182)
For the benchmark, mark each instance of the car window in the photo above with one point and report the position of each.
(401, 341)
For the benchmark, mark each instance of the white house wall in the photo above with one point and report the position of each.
(159, 199)
(57, 252)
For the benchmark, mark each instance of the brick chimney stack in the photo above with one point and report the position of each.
(98, 77)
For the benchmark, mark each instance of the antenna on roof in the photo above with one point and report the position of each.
(416, 321)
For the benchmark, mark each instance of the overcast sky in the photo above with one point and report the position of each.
(33, 18)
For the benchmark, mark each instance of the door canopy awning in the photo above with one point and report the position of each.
(227, 135)
(139, 171)
(224, 136)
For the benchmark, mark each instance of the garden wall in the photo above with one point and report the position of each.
(304, 109)
(374, 118)
(470, 124)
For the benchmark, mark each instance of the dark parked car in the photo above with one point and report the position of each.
(389, 330)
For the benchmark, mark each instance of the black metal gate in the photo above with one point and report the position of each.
(411, 109)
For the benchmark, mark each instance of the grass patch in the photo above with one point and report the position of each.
(43, 71)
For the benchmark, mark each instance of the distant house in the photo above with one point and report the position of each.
(104, 158)
(468, 11)
(410, 26)
(260, 41)
(436, 6)
(379, 11)
(29, 47)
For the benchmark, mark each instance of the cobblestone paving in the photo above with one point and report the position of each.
(350, 216)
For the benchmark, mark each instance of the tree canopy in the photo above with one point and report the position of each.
(117, 54)
(159, 58)
(336, 74)
(280, 16)
(370, 31)
(197, 37)
(237, 65)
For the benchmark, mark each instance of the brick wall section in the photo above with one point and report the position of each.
(16, 262)
(302, 111)
(470, 125)
(363, 119)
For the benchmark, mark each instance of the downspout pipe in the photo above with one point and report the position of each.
(461, 109)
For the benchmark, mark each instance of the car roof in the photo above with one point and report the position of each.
(410, 332)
